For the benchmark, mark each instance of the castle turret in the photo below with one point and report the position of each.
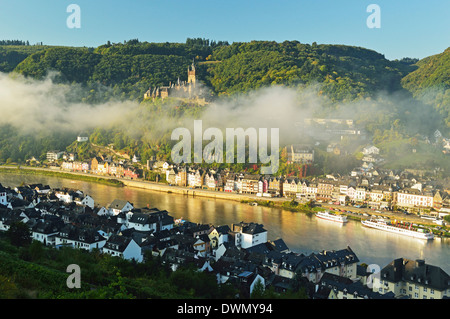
(192, 78)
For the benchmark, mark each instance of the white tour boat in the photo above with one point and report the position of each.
(398, 228)
(331, 216)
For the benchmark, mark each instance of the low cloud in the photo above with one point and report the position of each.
(42, 105)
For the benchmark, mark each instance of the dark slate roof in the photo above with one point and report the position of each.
(263, 249)
(338, 283)
(139, 218)
(279, 245)
(253, 228)
(118, 204)
(48, 226)
(418, 272)
(292, 261)
(117, 243)
(224, 229)
(330, 258)
(80, 234)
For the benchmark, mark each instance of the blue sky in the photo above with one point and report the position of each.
(409, 28)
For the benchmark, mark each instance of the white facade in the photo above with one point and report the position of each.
(48, 239)
(371, 150)
(79, 243)
(132, 251)
(126, 207)
(86, 201)
(195, 179)
(246, 240)
(63, 196)
(3, 198)
(411, 200)
(54, 155)
(360, 194)
(140, 226)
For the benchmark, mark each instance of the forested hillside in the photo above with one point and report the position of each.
(399, 103)
(14, 52)
(431, 82)
(346, 72)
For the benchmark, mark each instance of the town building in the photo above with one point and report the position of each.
(297, 153)
(247, 235)
(414, 279)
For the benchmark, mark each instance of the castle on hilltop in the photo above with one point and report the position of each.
(181, 89)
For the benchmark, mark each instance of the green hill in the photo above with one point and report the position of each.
(345, 72)
(431, 82)
(12, 55)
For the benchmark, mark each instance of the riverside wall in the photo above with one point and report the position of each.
(146, 185)
(195, 192)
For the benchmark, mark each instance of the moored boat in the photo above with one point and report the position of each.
(397, 228)
(332, 216)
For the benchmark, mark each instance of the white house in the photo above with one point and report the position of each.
(45, 232)
(200, 245)
(140, 222)
(102, 211)
(124, 247)
(54, 155)
(82, 138)
(371, 150)
(118, 206)
(64, 196)
(195, 179)
(248, 281)
(249, 234)
(85, 200)
(3, 198)
(79, 238)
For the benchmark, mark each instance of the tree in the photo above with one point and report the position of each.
(19, 234)
(258, 290)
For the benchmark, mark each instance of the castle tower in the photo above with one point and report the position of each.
(192, 78)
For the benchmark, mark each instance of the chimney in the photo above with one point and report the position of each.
(420, 262)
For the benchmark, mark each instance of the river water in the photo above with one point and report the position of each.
(302, 233)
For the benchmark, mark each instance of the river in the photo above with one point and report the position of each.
(302, 233)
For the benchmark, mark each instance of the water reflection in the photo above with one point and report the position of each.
(302, 233)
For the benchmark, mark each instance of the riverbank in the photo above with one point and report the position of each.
(356, 214)
(53, 173)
